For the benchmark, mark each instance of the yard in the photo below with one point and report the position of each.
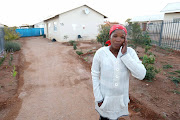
(44, 69)
(156, 99)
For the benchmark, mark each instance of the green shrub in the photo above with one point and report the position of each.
(147, 48)
(151, 71)
(79, 52)
(74, 46)
(12, 46)
(148, 60)
(10, 33)
(103, 35)
(137, 36)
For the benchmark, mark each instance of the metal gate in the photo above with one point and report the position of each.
(30, 32)
(1, 40)
(165, 34)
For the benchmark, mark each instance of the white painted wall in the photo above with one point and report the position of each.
(76, 22)
(171, 16)
(49, 29)
(39, 25)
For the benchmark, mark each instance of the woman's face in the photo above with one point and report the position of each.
(117, 39)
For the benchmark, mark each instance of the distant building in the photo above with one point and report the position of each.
(148, 19)
(2, 25)
(25, 26)
(172, 12)
(39, 25)
(107, 23)
(82, 22)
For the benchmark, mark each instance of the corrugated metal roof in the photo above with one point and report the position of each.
(171, 7)
(148, 18)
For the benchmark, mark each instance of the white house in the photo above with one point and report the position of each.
(172, 12)
(172, 15)
(39, 25)
(82, 21)
(148, 19)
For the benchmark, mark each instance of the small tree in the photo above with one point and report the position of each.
(103, 35)
(137, 36)
(10, 33)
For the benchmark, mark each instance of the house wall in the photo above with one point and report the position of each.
(49, 29)
(76, 22)
(39, 25)
(171, 16)
(171, 28)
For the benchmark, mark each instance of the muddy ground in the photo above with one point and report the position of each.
(53, 82)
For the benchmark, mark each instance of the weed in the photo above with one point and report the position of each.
(71, 42)
(11, 59)
(176, 92)
(74, 46)
(172, 73)
(178, 71)
(79, 52)
(175, 80)
(86, 59)
(167, 66)
(2, 60)
(150, 53)
(14, 73)
(147, 48)
(10, 63)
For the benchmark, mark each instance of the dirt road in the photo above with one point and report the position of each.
(54, 86)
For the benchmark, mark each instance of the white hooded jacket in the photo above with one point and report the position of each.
(110, 76)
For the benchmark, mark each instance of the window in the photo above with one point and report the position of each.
(176, 20)
(55, 26)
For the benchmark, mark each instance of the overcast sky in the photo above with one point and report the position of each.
(18, 12)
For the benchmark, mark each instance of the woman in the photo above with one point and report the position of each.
(110, 71)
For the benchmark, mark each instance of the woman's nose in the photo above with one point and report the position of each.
(118, 39)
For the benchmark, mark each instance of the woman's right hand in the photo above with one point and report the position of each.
(99, 104)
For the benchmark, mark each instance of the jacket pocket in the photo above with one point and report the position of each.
(113, 104)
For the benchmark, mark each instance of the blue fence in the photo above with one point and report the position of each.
(30, 32)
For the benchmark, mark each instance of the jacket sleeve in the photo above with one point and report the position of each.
(95, 72)
(132, 62)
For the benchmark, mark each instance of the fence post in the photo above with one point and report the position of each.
(160, 39)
